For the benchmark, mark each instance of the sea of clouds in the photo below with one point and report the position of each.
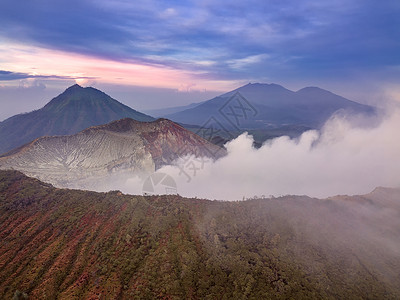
(349, 155)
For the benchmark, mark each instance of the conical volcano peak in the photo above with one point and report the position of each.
(79, 91)
(74, 87)
(72, 111)
(265, 86)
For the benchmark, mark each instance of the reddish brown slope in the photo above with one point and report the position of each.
(70, 244)
(165, 140)
(125, 146)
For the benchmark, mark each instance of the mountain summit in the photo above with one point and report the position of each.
(259, 105)
(75, 109)
(95, 154)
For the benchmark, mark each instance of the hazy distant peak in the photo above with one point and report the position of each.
(263, 89)
(74, 87)
(77, 89)
(313, 89)
(321, 94)
(262, 85)
(72, 111)
(273, 106)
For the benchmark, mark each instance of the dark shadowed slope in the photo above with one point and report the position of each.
(161, 112)
(270, 106)
(121, 147)
(70, 244)
(72, 111)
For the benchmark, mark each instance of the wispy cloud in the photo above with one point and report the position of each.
(247, 61)
(22, 63)
(8, 75)
(329, 39)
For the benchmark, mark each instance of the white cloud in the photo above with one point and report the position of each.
(31, 82)
(85, 81)
(246, 61)
(342, 159)
(169, 13)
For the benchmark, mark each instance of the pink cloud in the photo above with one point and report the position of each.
(46, 62)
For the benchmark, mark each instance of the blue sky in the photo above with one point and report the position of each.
(199, 48)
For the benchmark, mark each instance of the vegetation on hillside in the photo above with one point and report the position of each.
(71, 244)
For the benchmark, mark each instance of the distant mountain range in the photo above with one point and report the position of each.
(72, 111)
(71, 244)
(121, 147)
(162, 112)
(267, 106)
(264, 110)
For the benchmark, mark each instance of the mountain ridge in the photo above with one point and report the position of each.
(123, 147)
(72, 244)
(273, 106)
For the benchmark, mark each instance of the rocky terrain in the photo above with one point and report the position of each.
(71, 244)
(121, 147)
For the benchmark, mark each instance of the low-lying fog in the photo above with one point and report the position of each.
(350, 155)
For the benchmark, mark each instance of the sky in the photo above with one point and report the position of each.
(153, 54)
